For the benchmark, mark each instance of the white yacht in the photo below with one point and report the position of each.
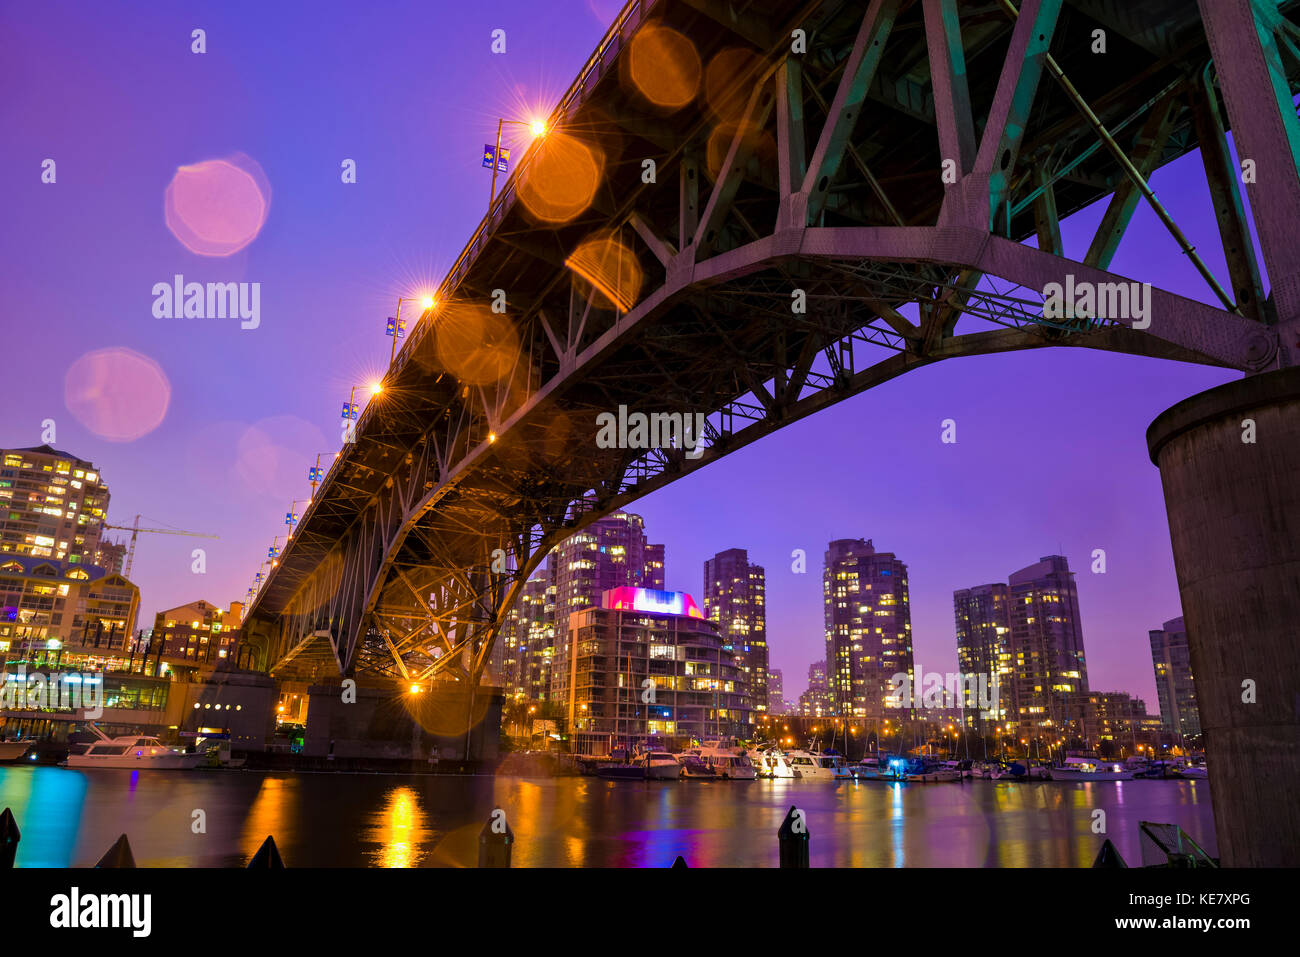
(662, 766)
(13, 750)
(819, 767)
(1091, 769)
(772, 763)
(727, 762)
(132, 751)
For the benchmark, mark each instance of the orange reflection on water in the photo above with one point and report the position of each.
(217, 207)
(561, 178)
(117, 393)
(400, 830)
(274, 813)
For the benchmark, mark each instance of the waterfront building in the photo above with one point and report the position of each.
(64, 613)
(646, 668)
(816, 700)
(1113, 723)
(868, 626)
(1175, 686)
(776, 691)
(52, 505)
(196, 634)
(735, 598)
(1047, 659)
(983, 620)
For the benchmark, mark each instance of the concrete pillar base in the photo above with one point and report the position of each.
(1234, 520)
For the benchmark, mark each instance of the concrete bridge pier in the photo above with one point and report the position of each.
(1229, 462)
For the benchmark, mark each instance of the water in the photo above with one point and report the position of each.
(71, 817)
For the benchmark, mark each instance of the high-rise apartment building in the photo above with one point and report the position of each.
(735, 598)
(984, 648)
(1175, 687)
(52, 505)
(647, 665)
(1046, 644)
(529, 639)
(816, 701)
(776, 690)
(610, 553)
(868, 626)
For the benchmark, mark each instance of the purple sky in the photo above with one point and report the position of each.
(1050, 454)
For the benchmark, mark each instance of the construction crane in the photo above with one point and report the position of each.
(136, 530)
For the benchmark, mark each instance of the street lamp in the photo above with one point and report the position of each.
(535, 126)
(395, 324)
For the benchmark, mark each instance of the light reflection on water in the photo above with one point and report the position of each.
(70, 817)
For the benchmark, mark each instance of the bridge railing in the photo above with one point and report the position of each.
(629, 18)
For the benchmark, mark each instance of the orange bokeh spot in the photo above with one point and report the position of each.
(728, 82)
(475, 344)
(611, 268)
(664, 66)
(118, 394)
(561, 179)
(217, 207)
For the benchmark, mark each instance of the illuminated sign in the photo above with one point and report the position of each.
(652, 601)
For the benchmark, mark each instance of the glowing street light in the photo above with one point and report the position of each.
(536, 127)
(397, 327)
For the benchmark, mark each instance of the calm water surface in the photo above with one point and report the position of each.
(71, 817)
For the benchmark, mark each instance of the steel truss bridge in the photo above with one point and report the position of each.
(826, 176)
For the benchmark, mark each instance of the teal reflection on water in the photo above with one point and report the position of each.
(47, 803)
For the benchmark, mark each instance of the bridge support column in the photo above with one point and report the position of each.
(1229, 462)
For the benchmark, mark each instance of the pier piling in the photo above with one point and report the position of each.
(793, 838)
(9, 838)
(495, 841)
(119, 855)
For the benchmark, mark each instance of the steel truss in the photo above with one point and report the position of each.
(426, 528)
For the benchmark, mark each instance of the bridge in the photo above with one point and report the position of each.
(754, 210)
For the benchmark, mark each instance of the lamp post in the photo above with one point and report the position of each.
(396, 330)
(537, 127)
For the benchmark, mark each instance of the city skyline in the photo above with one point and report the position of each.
(229, 459)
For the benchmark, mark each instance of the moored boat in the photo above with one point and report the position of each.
(1091, 769)
(133, 751)
(819, 766)
(14, 750)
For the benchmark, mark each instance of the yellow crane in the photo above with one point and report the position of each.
(136, 530)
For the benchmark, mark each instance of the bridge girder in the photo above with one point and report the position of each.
(426, 528)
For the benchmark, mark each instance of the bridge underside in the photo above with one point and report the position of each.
(817, 223)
